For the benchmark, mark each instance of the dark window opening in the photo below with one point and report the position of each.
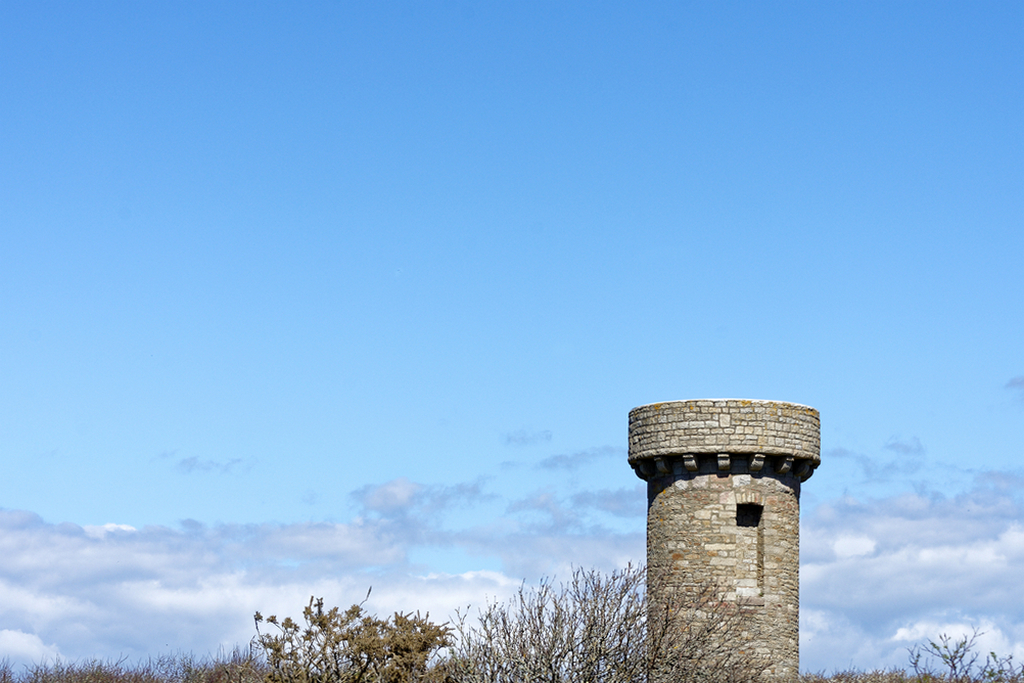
(748, 514)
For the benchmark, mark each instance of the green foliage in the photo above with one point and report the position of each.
(351, 647)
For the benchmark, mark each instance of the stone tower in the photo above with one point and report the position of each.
(723, 507)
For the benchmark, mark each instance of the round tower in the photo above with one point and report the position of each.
(723, 509)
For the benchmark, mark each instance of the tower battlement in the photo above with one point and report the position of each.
(737, 427)
(723, 505)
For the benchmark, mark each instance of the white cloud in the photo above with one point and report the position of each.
(17, 646)
(853, 546)
(101, 531)
(115, 590)
(393, 496)
(157, 590)
(877, 575)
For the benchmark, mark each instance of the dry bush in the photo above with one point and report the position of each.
(876, 676)
(240, 666)
(698, 637)
(600, 629)
(958, 661)
(591, 629)
(351, 647)
(947, 661)
(596, 628)
(237, 667)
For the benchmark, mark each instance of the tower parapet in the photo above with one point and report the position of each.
(723, 506)
(748, 433)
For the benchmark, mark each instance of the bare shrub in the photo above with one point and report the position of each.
(875, 676)
(601, 629)
(698, 637)
(948, 660)
(239, 666)
(958, 661)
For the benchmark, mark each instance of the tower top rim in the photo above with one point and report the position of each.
(725, 400)
(723, 426)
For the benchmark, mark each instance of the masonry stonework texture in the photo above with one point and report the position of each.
(723, 507)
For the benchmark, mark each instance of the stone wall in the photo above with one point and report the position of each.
(723, 490)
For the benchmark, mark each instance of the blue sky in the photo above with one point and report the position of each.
(302, 298)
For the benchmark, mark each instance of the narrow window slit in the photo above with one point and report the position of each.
(749, 515)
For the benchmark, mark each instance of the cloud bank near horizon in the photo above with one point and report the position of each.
(877, 575)
(881, 575)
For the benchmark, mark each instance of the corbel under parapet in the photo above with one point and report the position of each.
(678, 464)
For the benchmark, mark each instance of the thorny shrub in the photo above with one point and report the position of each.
(351, 646)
